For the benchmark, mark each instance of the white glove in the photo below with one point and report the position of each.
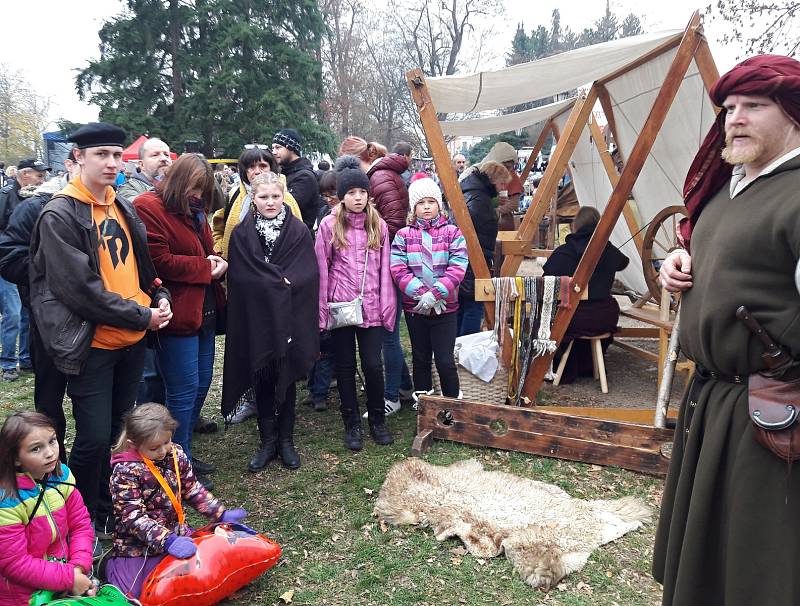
(426, 303)
(440, 306)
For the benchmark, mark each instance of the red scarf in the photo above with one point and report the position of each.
(773, 76)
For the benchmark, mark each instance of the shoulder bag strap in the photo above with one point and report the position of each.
(366, 264)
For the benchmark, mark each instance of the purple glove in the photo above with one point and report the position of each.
(180, 547)
(233, 516)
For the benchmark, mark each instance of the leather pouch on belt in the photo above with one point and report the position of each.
(774, 408)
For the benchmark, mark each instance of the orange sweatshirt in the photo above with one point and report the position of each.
(117, 262)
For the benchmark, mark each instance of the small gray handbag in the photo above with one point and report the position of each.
(348, 313)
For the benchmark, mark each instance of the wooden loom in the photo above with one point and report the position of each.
(610, 436)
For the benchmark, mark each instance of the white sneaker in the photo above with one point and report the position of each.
(389, 408)
(417, 394)
(247, 410)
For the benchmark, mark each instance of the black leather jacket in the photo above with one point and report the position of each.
(68, 298)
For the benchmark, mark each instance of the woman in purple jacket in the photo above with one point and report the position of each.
(353, 245)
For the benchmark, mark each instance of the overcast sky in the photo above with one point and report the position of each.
(63, 37)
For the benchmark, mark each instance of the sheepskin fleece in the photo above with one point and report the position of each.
(545, 533)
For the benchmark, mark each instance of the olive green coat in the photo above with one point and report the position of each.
(729, 531)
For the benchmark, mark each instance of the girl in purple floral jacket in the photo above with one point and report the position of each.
(151, 479)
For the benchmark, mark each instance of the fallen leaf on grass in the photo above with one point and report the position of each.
(595, 468)
(287, 596)
(459, 551)
(384, 527)
(456, 561)
(368, 490)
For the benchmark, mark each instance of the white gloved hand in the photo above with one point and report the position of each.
(426, 303)
(440, 306)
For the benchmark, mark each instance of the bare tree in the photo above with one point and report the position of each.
(759, 26)
(23, 117)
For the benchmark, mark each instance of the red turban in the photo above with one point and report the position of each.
(773, 76)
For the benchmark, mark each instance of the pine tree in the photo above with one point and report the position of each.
(225, 72)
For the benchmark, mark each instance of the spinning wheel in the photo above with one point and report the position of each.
(660, 239)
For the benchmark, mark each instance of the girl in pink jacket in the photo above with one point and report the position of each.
(352, 249)
(45, 532)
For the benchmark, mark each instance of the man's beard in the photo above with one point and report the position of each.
(752, 154)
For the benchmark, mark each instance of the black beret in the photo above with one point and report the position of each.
(98, 134)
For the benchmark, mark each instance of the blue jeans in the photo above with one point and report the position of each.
(11, 310)
(151, 387)
(186, 365)
(394, 360)
(470, 316)
(319, 379)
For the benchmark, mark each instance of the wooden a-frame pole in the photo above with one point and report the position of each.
(613, 177)
(619, 197)
(552, 175)
(447, 174)
(536, 149)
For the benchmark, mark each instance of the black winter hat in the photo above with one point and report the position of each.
(290, 139)
(349, 175)
(98, 134)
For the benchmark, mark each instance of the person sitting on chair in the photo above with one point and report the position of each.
(600, 313)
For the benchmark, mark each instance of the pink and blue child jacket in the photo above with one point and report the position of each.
(60, 528)
(429, 255)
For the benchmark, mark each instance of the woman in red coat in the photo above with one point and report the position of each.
(181, 246)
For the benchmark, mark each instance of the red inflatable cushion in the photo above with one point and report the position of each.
(227, 559)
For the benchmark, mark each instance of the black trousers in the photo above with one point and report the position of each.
(101, 395)
(434, 337)
(370, 344)
(49, 387)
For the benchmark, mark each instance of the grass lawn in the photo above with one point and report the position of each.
(336, 553)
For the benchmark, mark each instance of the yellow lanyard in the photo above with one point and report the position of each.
(175, 500)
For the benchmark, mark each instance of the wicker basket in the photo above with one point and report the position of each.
(473, 388)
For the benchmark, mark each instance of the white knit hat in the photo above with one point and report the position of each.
(423, 188)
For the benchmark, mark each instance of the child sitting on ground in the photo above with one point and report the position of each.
(46, 534)
(151, 477)
(429, 260)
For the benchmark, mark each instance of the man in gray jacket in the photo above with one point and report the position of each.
(154, 160)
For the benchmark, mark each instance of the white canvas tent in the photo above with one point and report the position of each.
(660, 182)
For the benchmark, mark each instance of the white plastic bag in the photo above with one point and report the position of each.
(478, 354)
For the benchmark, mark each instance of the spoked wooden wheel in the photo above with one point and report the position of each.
(660, 239)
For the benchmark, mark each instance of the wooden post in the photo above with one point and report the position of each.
(447, 174)
(536, 149)
(613, 176)
(555, 170)
(608, 110)
(619, 197)
(706, 65)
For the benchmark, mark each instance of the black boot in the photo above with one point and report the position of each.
(353, 436)
(381, 434)
(289, 456)
(269, 444)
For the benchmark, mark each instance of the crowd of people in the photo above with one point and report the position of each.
(127, 284)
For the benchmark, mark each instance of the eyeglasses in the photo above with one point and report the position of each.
(255, 146)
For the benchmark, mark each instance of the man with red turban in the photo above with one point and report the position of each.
(729, 532)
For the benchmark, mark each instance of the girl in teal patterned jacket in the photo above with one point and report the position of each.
(428, 263)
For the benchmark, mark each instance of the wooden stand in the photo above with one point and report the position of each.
(574, 437)
(543, 432)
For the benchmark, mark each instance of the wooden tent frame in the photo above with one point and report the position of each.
(534, 429)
